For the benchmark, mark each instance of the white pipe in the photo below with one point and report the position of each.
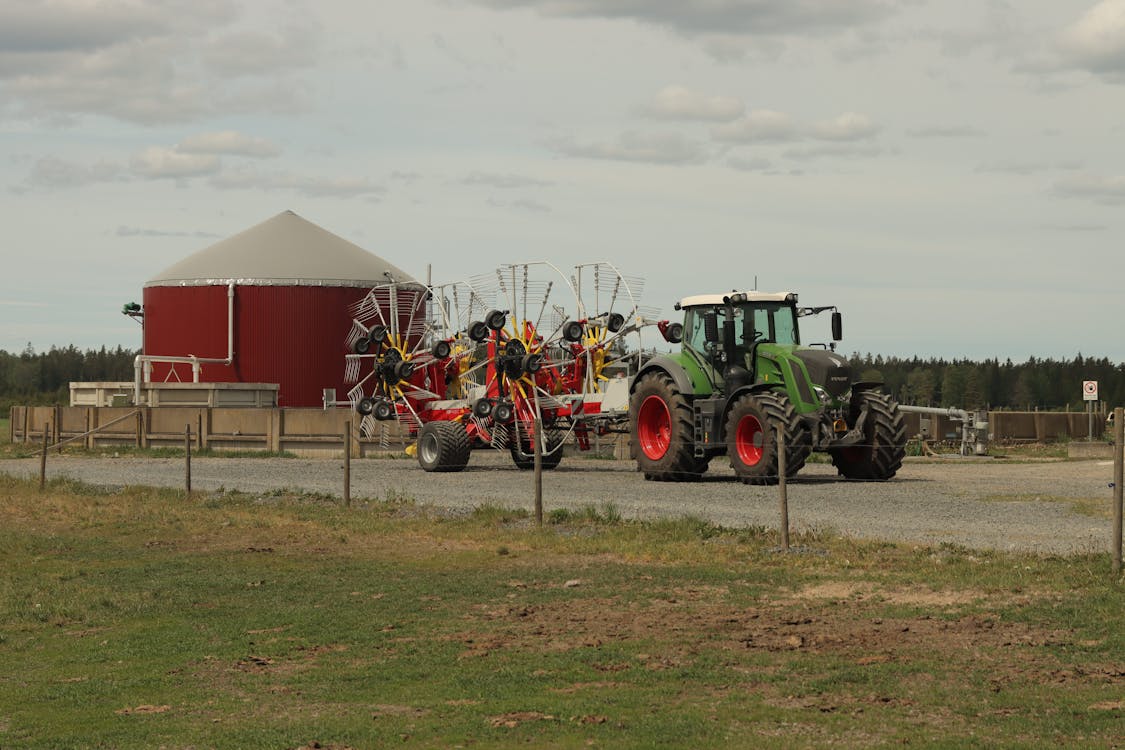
(145, 360)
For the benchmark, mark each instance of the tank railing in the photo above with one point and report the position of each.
(142, 364)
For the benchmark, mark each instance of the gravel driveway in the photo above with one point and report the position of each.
(976, 503)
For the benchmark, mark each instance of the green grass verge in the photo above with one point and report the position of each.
(145, 618)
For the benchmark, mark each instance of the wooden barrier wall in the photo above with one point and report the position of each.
(302, 431)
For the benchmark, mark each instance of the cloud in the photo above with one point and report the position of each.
(842, 151)
(503, 181)
(85, 25)
(849, 126)
(950, 131)
(752, 164)
(228, 142)
(648, 148)
(1024, 168)
(758, 125)
(680, 103)
(155, 62)
(52, 173)
(156, 163)
(249, 178)
(700, 17)
(244, 53)
(123, 231)
(1107, 190)
(1096, 41)
(521, 205)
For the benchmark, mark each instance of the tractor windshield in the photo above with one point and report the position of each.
(775, 322)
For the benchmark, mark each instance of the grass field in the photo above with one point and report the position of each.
(144, 618)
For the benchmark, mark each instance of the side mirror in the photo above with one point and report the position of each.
(837, 326)
(711, 326)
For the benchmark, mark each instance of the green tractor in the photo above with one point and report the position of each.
(741, 376)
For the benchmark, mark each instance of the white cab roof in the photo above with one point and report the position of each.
(717, 299)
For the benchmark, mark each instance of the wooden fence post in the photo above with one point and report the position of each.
(783, 495)
(43, 458)
(187, 457)
(347, 463)
(1118, 480)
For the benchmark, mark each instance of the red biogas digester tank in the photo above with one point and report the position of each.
(291, 283)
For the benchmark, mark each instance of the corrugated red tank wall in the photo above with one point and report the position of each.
(290, 335)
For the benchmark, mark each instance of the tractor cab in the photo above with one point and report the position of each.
(742, 338)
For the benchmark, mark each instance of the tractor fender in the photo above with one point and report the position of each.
(670, 366)
(866, 385)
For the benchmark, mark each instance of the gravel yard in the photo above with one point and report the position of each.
(1055, 507)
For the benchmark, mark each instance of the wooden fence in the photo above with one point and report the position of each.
(319, 432)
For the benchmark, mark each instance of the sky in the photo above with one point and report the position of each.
(950, 174)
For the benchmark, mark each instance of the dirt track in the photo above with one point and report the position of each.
(975, 503)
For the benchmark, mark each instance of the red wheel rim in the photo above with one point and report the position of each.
(654, 428)
(749, 439)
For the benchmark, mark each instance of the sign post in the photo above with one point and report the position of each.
(1090, 396)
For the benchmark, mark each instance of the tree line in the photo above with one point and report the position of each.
(31, 377)
(1045, 384)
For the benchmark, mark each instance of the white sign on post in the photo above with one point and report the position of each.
(1089, 390)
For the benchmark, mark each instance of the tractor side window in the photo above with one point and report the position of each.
(695, 332)
(785, 325)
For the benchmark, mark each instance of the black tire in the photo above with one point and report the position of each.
(523, 452)
(384, 410)
(615, 322)
(362, 346)
(503, 412)
(443, 446)
(365, 406)
(880, 455)
(663, 430)
(496, 319)
(441, 350)
(572, 331)
(478, 331)
(482, 408)
(751, 432)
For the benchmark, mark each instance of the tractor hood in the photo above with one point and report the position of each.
(827, 369)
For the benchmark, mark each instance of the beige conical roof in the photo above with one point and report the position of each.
(285, 250)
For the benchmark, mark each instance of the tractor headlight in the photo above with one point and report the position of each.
(822, 395)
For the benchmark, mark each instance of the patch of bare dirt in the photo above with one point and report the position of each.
(834, 619)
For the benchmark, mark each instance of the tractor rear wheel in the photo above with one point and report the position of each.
(443, 446)
(663, 429)
(752, 425)
(523, 451)
(879, 456)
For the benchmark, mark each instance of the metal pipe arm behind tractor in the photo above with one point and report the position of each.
(741, 376)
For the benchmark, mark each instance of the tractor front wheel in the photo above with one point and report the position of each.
(443, 446)
(752, 425)
(663, 430)
(879, 455)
